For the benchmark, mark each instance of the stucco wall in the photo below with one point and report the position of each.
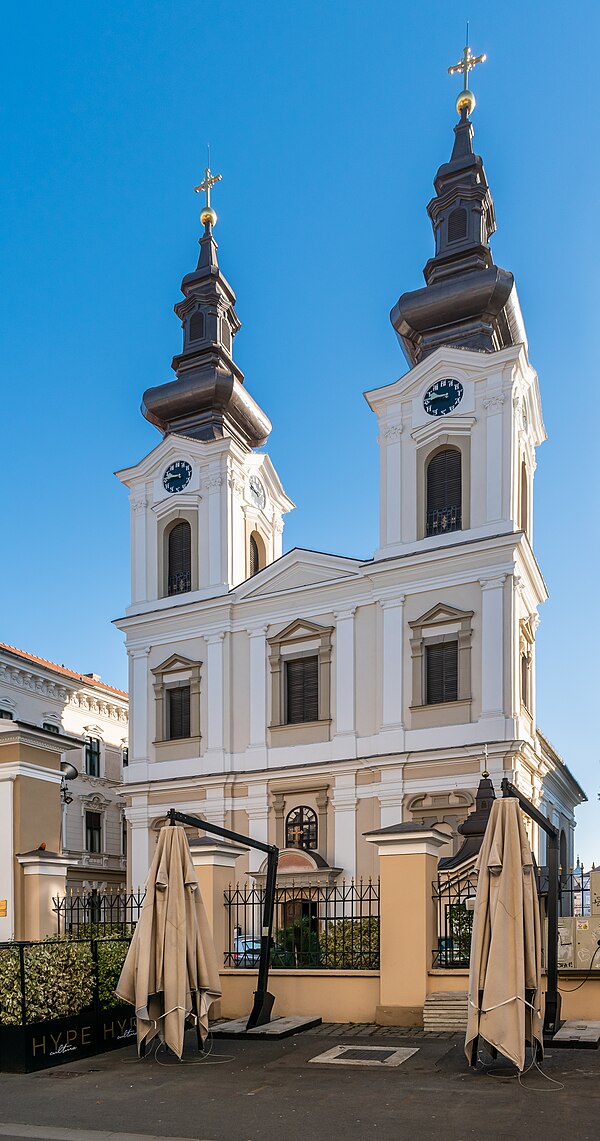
(336, 996)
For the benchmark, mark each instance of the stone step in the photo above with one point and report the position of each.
(446, 1010)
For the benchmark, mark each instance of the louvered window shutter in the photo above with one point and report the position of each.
(196, 326)
(302, 690)
(179, 712)
(441, 663)
(180, 558)
(457, 224)
(444, 492)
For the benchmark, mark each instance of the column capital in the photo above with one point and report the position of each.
(214, 638)
(387, 603)
(257, 631)
(493, 583)
(340, 615)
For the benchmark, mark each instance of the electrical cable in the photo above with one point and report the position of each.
(572, 989)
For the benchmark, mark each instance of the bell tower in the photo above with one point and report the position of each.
(458, 432)
(206, 508)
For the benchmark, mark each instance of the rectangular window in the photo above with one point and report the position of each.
(178, 707)
(50, 728)
(5, 715)
(124, 837)
(92, 756)
(93, 832)
(302, 690)
(525, 681)
(125, 757)
(441, 666)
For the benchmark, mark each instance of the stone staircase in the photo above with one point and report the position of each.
(446, 1011)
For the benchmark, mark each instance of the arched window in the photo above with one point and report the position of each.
(196, 326)
(226, 334)
(179, 578)
(524, 499)
(444, 492)
(257, 554)
(301, 828)
(457, 225)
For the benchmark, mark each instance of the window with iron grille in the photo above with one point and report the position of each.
(525, 680)
(444, 492)
(254, 557)
(301, 828)
(93, 832)
(524, 505)
(180, 558)
(178, 708)
(50, 727)
(196, 327)
(302, 690)
(441, 668)
(92, 756)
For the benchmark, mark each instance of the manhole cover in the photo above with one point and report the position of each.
(365, 1055)
(370, 1054)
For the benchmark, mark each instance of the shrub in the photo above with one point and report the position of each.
(60, 977)
(59, 981)
(297, 945)
(351, 945)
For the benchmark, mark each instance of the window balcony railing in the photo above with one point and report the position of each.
(444, 519)
(180, 583)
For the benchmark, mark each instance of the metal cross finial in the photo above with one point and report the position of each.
(207, 214)
(485, 772)
(466, 98)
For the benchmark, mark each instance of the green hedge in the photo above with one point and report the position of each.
(351, 945)
(60, 978)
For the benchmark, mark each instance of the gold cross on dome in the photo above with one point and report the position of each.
(466, 64)
(207, 183)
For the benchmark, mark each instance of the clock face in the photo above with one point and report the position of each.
(177, 476)
(257, 492)
(443, 397)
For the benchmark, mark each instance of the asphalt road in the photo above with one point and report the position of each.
(271, 1091)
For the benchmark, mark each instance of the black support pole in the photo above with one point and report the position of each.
(263, 1000)
(552, 1005)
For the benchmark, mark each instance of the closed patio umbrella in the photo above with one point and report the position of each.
(505, 963)
(170, 973)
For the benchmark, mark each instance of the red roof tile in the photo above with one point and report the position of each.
(61, 670)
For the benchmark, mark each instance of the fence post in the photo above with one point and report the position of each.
(44, 877)
(408, 858)
(214, 861)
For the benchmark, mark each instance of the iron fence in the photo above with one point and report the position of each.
(453, 890)
(97, 911)
(332, 926)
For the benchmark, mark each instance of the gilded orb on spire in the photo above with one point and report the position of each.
(466, 99)
(208, 216)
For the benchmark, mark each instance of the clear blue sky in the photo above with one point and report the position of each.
(328, 121)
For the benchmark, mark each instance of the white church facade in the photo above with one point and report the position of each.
(307, 698)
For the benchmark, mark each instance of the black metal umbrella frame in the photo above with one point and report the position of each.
(260, 1014)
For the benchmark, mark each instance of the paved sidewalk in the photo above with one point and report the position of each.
(271, 1091)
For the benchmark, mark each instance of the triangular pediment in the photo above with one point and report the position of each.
(298, 629)
(174, 663)
(296, 570)
(440, 613)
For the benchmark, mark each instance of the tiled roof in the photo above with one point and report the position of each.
(62, 670)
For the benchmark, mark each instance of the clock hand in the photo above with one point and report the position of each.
(438, 395)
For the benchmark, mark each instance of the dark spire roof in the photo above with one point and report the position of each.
(207, 400)
(468, 301)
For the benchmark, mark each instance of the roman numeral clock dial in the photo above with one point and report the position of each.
(443, 397)
(177, 476)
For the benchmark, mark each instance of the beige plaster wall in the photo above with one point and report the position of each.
(368, 815)
(238, 685)
(335, 996)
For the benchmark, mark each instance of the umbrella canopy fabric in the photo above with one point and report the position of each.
(505, 964)
(170, 972)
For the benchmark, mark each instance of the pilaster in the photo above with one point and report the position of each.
(344, 802)
(345, 690)
(492, 646)
(393, 649)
